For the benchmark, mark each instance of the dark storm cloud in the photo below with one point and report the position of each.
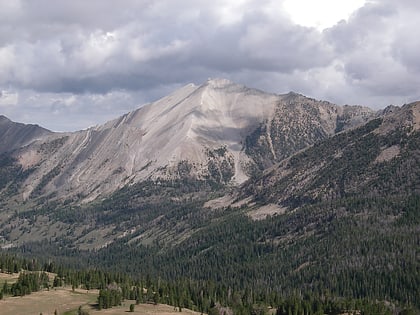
(94, 46)
(69, 58)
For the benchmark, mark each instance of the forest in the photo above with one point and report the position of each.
(203, 296)
(347, 240)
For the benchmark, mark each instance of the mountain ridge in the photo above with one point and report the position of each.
(197, 131)
(15, 135)
(331, 201)
(317, 172)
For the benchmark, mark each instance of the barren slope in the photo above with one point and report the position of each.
(218, 131)
(15, 135)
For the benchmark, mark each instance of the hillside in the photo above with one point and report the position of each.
(328, 202)
(206, 138)
(16, 135)
(379, 159)
(219, 131)
(344, 216)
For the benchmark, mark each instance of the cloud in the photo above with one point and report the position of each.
(97, 57)
(108, 57)
(378, 49)
(8, 98)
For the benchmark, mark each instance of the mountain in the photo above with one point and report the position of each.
(218, 131)
(219, 183)
(378, 159)
(340, 217)
(17, 135)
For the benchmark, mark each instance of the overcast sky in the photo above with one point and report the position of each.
(68, 65)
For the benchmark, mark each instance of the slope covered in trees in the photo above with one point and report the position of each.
(203, 296)
(348, 229)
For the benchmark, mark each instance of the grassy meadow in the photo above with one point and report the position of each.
(67, 302)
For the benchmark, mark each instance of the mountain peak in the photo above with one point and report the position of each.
(16, 135)
(216, 130)
(219, 82)
(4, 118)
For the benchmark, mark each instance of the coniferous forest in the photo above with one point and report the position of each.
(202, 296)
(344, 239)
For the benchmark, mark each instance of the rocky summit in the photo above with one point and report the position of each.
(219, 130)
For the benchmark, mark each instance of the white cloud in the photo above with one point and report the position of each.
(7, 60)
(8, 98)
(96, 49)
(321, 13)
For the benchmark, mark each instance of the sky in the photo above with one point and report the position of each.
(69, 65)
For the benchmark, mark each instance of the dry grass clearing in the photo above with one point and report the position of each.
(263, 212)
(67, 302)
(144, 309)
(46, 302)
(10, 278)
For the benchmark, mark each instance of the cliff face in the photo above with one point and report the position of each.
(297, 123)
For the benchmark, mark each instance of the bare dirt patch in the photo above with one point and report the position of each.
(264, 211)
(388, 154)
(416, 114)
(228, 200)
(96, 239)
(29, 159)
(243, 202)
(219, 203)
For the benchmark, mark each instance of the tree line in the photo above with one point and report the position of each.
(202, 296)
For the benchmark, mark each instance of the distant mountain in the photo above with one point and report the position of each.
(219, 131)
(17, 135)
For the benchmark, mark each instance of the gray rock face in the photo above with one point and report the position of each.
(377, 159)
(16, 135)
(299, 122)
(219, 130)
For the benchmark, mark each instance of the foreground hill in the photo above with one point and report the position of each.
(65, 301)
